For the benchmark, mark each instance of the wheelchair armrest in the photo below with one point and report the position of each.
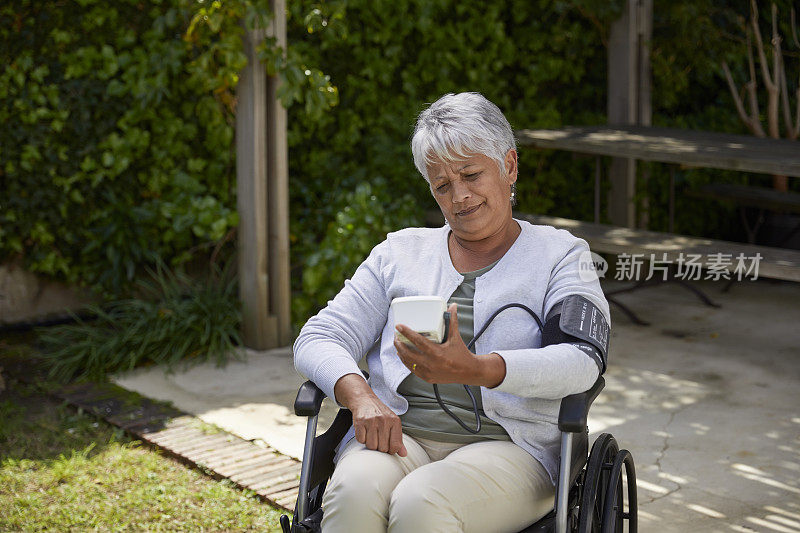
(309, 400)
(575, 408)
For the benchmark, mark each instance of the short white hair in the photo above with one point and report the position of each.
(457, 126)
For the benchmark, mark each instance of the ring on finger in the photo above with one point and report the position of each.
(413, 367)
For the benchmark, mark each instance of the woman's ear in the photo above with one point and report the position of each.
(511, 165)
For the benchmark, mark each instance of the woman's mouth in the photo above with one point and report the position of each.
(468, 210)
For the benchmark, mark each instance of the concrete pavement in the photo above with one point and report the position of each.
(707, 400)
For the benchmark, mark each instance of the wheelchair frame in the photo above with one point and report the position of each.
(587, 501)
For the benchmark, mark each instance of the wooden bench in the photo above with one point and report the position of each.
(674, 147)
(774, 263)
(761, 198)
(668, 145)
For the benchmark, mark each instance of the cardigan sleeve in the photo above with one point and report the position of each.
(558, 370)
(331, 343)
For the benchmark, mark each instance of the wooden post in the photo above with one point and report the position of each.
(278, 190)
(628, 98)
(259, 329)
(262, 175)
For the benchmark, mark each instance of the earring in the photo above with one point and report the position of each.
(513, 196)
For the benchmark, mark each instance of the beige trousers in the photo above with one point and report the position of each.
(439, 487)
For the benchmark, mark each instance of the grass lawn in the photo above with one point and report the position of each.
(63, 470)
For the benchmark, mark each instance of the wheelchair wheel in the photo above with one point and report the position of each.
(596, 482)
(614, 511)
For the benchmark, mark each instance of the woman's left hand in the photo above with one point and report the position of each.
(451, 361)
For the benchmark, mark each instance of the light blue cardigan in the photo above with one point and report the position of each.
(539, 270)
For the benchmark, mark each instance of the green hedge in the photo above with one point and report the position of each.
(543, 62)
(118, 140)
(537, 60)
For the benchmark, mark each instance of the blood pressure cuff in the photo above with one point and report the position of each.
(576, 320)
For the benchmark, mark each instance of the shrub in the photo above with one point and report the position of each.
(174, 319)
(363, 217)
(117, 139)
(537, 61)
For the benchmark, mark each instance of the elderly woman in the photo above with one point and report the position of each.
(407, 465)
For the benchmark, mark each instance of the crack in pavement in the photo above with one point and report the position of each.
(665, 446)
(662, 496)
(663, 452)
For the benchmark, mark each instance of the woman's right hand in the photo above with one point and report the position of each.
(377, 427)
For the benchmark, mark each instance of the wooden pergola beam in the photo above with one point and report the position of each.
(628, 98)
(278, 190)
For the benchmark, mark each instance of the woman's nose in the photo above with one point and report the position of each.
(460, 191)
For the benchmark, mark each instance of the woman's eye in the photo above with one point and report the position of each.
(471, 176)
(442, 187)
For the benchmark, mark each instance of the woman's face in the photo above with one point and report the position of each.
(473, 194)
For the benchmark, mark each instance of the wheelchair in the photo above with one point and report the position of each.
(590, 493)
